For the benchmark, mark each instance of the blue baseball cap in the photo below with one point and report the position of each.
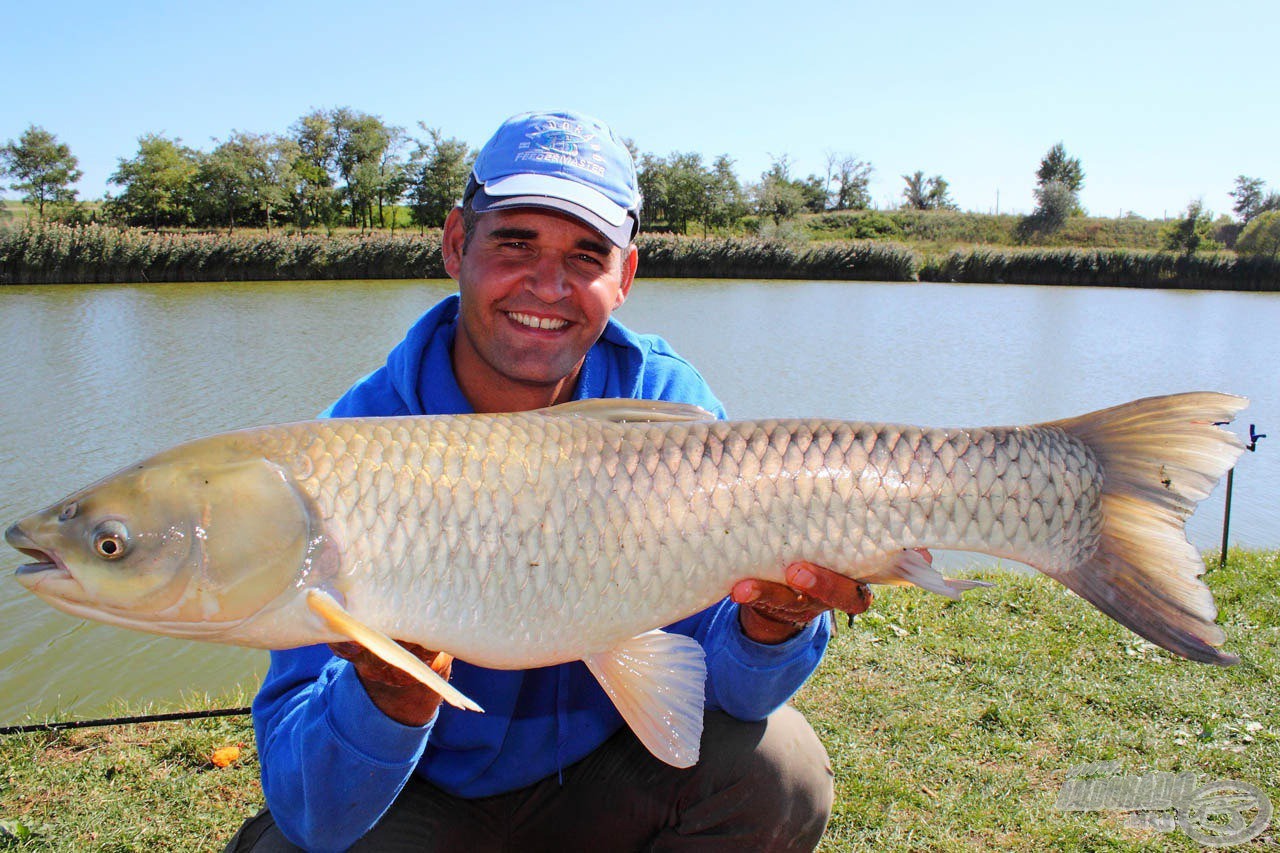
(565, 161)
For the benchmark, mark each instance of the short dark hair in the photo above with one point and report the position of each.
(469, 220)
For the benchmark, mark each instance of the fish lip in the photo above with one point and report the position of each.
(47, 566)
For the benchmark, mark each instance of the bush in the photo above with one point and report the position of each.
(1261, 237)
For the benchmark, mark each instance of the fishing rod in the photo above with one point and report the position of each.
(1231, 476)
(120, 721)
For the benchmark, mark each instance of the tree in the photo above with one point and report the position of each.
(814, 192)
(44, 168)
(393, 175)
(848, 182)
(777, 195)
(1057, 167)
(246, 178)
(362, 140)
(728, 201)
(158, 183)
(1191, 232)
(1252, 198)
(316, 198)
(1058, 183)
(927, 194)
(438, 172)
(687, 189)
(1261, 236)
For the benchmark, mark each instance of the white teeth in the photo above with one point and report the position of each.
(537, 322)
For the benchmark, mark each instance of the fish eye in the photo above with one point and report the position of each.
(69, 511)
(111, 540)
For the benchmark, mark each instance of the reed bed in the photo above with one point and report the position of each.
(1109, 268)
(98, 253)
(664, 256)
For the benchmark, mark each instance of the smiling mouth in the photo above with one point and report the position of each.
(529, 321)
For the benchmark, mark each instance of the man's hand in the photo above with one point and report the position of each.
(396, 693)
(774, 612)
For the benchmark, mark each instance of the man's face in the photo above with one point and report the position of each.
(537, 289)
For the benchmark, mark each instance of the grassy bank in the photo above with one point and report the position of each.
(951, 726)
(99, 254)
(1104, 268)
(939, 231)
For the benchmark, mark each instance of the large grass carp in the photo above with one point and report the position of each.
(529, 539)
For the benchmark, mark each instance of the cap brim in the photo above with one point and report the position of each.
(618, 235)
(617, 225)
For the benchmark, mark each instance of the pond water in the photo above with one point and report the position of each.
(96, 377)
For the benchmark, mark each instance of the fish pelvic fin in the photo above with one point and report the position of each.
(657, 681)
(1159, 457)
(392, 653)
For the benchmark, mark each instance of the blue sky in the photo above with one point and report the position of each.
(1163, 102)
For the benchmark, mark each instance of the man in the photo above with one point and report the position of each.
(357, 754)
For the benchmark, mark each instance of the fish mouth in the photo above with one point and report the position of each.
(47, 568)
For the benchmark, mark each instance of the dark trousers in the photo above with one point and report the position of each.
(759, 786)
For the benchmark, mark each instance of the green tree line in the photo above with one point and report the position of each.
(341, 166)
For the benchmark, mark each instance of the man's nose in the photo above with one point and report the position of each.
(547, 279)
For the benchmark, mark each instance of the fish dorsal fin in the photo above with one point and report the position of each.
(392, 653)
(621, 410)
(657, 681)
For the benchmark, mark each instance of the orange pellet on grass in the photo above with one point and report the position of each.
(225, 756)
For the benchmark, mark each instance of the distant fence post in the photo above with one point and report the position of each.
(1231, 476)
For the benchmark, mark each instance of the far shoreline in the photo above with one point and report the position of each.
(99, 254)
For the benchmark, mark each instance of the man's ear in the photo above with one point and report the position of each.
(452, 242)
(630, 261)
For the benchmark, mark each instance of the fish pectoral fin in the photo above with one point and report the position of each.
(392, 653)
(909, 567)
(657, 681)
(630, 411)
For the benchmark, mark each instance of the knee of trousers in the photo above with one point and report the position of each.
(781, 760)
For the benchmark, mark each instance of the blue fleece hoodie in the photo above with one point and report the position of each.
(332, 763)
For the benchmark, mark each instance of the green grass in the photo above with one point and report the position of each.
(123, 788)
(951, 726)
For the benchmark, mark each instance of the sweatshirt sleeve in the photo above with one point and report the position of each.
(746, 679)
(332, 763)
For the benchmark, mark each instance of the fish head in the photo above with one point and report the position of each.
(187, 543)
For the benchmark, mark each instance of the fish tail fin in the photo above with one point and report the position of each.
(1159, 457)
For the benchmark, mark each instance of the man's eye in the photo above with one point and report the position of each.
(591, 259)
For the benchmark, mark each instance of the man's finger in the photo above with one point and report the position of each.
(834, 590)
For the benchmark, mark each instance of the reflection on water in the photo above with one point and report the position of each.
(96, 377)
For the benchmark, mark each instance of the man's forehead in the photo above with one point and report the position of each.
(539, 220)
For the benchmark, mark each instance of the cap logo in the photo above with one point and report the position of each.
(563, 142)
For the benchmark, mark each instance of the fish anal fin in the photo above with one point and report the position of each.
(657, 681)
(630, 411)
(909, 568)
(392, 653)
